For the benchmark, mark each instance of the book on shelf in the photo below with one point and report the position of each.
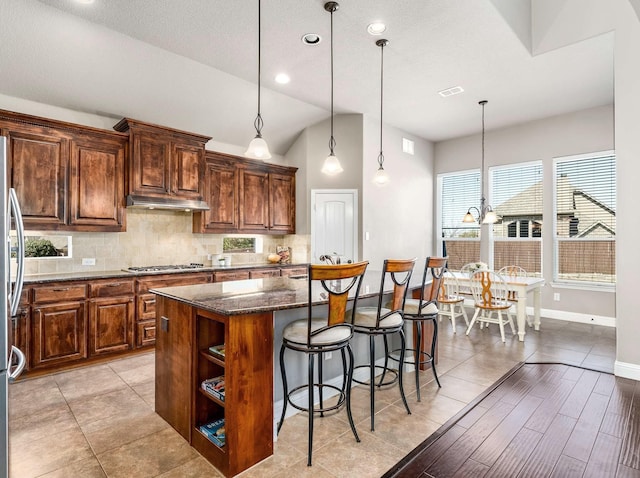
(215, 431)
(214, 386)
(217, 350)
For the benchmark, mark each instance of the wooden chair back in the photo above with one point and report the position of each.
(434, 268)
(399, 272)
(489, 290)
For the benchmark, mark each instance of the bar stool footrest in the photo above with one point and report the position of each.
(408, 352)
(342, 398)
(385, 370)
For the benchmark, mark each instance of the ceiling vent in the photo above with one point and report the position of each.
(454, 90)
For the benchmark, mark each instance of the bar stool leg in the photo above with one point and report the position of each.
(418, 354)
(400, 369)
(386, 360)
(320, 388)
(311, 357)
(433, 351)
(350, 373)
(284, 388)
(372, 366)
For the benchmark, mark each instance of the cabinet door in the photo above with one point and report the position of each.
(187, 171)
(150, 165)
(221, 189)
(58, 333)
(97, 184)
(282, 203)
(38, 172)
(254, 201)
(262, 273)
(111, 325)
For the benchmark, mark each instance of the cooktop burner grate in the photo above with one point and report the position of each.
(161, 268)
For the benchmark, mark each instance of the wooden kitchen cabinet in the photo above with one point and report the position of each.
(111, 316)
(96, 186)
(58, 325)
(264, 273)
(164, 163)
(226, 276)
(221, 191)
(145, 328)
(66, 176)
(247, 196)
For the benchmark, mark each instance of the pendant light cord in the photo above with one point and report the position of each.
(482, 198)
(258, 123)
(332, 141)
(381, 155)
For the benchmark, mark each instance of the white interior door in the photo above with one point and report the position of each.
(334, 223)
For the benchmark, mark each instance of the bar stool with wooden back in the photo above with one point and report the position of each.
(383, 321)
(425, 309)
(324, 332)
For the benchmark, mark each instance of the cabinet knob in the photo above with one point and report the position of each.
(62, 289)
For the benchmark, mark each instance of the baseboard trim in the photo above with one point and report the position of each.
(626, 370)
(577, 317)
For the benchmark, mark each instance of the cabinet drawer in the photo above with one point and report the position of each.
(146, 307)
(172, 280)
(112, 288)
(146, 333)
(294, 271)
(260, 273)
(225, 276)
(59, 293)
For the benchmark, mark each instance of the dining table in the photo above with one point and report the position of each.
(521, 286)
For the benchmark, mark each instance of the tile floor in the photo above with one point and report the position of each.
(98, 421)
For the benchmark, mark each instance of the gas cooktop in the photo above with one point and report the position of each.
(164, 268)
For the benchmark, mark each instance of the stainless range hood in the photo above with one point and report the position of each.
(142, 202)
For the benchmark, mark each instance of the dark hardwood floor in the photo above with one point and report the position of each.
(540, 420)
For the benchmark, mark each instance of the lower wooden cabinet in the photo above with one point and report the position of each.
(111, 325)
(58, 334)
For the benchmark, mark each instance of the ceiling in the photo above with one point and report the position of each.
(192, 64)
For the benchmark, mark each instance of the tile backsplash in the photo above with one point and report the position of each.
(158, 237)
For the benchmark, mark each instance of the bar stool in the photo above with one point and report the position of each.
(381, 322)
(324, 332)
(418, 311)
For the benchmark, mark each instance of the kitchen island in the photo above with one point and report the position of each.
(247, 317)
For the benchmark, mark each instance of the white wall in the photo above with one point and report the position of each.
(580, 132)
(398, 216)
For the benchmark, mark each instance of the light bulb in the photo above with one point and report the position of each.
(258, 149)
(331, 166)
(381, 178)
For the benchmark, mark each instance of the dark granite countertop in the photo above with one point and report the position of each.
(266, 295)
(89, 275)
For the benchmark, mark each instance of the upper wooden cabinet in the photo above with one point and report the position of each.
(67, 176)
(247, 196)
(164, 163)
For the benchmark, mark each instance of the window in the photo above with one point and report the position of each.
(239, 244)
(457, 193)
(516, 197)
(585, 218)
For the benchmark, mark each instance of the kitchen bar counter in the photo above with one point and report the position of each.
(266, 295)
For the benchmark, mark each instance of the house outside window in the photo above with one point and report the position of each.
(585, 219)
(517, 198)
(457, 192)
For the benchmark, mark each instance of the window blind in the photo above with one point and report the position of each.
(585, 218)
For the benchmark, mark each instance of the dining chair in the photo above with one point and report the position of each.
(510, 273)
(324, 330)
(490, 296)
(450, 300)
(382, 322)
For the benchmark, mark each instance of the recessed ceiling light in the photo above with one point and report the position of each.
(376, 28)
(454, 90)
(311, 38)
(85, 2)
(282, 78)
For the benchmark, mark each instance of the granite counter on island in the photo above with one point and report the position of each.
(247, 317)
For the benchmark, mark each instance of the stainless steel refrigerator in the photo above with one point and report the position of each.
(13, 359)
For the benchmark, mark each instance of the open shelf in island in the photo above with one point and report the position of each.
(248, 344)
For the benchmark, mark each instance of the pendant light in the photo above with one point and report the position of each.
(486, 215)
(258, 148)
(381, 177)
(331, 165)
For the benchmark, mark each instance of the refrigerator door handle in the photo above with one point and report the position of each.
(22, 361)
(14, 206)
